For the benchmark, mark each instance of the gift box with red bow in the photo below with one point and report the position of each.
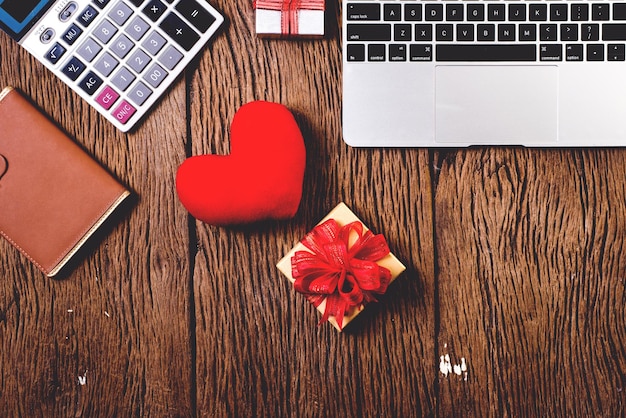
(340, 266)
(289, 17)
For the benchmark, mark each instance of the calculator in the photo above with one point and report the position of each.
(118, 55)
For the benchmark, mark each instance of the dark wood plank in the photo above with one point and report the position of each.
(119, 321)
(530, 250)
(259, 352)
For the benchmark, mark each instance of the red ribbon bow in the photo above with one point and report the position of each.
(289, 11)
(340, 269)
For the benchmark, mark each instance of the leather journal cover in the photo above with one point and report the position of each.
(53, 195)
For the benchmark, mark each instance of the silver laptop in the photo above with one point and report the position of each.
(461, 73)
(119, 55)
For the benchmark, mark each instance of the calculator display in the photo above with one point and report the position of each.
(18, 16)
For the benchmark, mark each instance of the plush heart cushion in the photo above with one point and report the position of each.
(260, 179)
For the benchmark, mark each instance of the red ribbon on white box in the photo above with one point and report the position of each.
(289, 11)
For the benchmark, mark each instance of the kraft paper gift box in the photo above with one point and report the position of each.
(343, 217)
(289, 18)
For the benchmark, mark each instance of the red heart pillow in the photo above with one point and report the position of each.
(260, 179)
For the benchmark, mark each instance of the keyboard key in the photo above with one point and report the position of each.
(55, 53)
(397, 52)
(599, 11)
(558, 12)
(120, 13)
(433, 12)
(574, 52)
(614, 31)
(423, 32)
(465, 33)
(485, 52)
(124, 112)
(590, 32)
(137, 28)
(123, 78)
(73, 68)
(495, 12)
(155, 75)
(105, 31)
(402, 32)
(139, 93)
(89, 50)
(580, 12)
(527, 32)
(153, 43)
(107, 98)
(476, 12)
(87, 16)
(548, 32)
(550, 52)
(170, 57)
(138, 61)
(392, 12)
(179, 31)
(376, 52)
(72, 34)
(369, 32)
(122, 46)
(506, 32)
(420, 52)
(538, 12)
(486, 32)
(106, 64)
(412, 12)
(199, 17)
(355, 52)
(365, 11)
(616, 52)
(454, 12)
(595, 52)
(619, 11)
(517, 12)
(154, 10)
(91, 83)
(444, 32)
(569, 32)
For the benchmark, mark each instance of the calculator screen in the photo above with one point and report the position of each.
(18, 16)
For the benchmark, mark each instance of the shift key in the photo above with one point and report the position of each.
(369, 32)
(614, 32)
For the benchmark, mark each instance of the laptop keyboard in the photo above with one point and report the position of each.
(515, 31)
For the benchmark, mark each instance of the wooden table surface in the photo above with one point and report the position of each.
(516, 267)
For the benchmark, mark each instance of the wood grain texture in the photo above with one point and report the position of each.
(514, 256)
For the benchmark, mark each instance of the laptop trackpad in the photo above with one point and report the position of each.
(499, 104)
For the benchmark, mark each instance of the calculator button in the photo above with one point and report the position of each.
(155, 75)
(138, 61)
(72, 34)
(67, 12)
(137, 2)
(73, 68)
(55, 53)
(124, 112)
(154, 10)
(105, 31)
(123, 78)
(91, 83)
(121, 13)
(107, 97)
(153, 43)
(139, 93)
(101, 3)
(179, 31)
(89, 49)
(47, 35)
(196, 14)
(170, 57)
(106, 64)
(87, 16)
(137, 28)
(122, 46)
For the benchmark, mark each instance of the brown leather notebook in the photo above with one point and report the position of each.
(53, 195)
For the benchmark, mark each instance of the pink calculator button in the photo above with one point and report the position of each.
(107, 97)
(124, 112)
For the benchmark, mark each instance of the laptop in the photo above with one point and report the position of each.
(118, 55)
(463, 73)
